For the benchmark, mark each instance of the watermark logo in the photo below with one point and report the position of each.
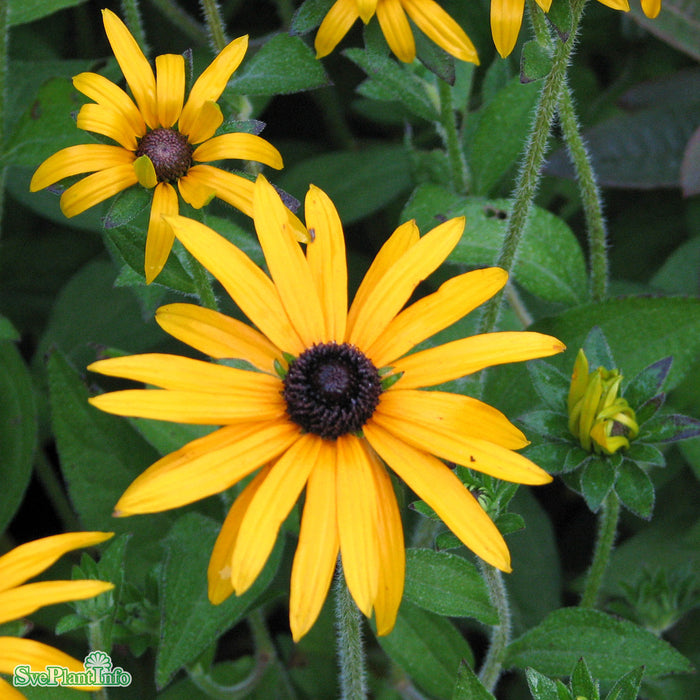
(98, 672)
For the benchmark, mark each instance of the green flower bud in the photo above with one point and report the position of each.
(601, 420)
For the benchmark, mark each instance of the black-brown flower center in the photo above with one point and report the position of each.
(331, 389)
(169, 151)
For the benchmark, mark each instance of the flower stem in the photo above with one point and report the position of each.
(500, 636)
(351, 655)
(530, 172)
(590, 196)
(447, 129)
(96, 643)
(132, 15)
(607, 529)
(182, 20)
(215, 24)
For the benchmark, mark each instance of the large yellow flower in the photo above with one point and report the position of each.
(331, 398)
(427, 14)
(17, 600)
(163, 139)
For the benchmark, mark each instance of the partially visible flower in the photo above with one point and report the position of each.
(651, 8)
(17, 600)
(391, 14)
(163, 139)
(332, 398)
(601, 419)
(506, 19)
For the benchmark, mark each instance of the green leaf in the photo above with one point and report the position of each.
(428, 648)
(597, 350)
(7, 330)
(310, 15)
(646, 454)
(597, 479)
(550, 261)
(647, 383)
(690, 168)
(634, 489)
(582, 683)
(548, 424)
(18, 430)
(497, 142)
(611, 646)
(678, 24)
(639, 330)
(468, 686)
(359, 182)
(448, 585)
(678, 274)
(189, 622)
(543, 688)
(627, 687)
(22, 11)
(285, 64)
(550, 383)
(535, 62)
(551, 456)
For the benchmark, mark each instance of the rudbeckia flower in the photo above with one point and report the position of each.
(17, 600)
(427, 14)
(163, 140)
(332, 397)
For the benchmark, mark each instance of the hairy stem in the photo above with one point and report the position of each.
(215, 24)
(132, 15)
(351, 653)
(447, 129)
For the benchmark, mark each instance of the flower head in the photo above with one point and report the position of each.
(600, 419)
(393, 18)
(332, 398)
(18, 599)
(164, 140)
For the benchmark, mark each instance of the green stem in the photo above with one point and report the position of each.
(500, 636)
(539, 23)
(351, 655)
(182, 20)
(536, 149)
(4, 58)
(447, 129)
(590, 196)
(132, 15)
(202, 284)
(55, 493)
(607, 530)
(96, 643)
(215, 24)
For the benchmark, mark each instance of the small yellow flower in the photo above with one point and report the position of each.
(163, 139)
(18, 600)
(332, 399)
(600, 419)
(392, 16)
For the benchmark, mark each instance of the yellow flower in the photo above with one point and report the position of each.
(331, 397)
(427, 14)
(163, 139)
(600, 419)
(17, 600)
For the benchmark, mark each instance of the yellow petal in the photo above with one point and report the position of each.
(651, 8)
(398, 282)
(28, 560)
(454, 299)
(396, 29)
(441, 28)
(146, 172)
(366, 8)
(194, 407)
(195, 188)
(326, 258)
(405, 236)
(209, 86)
(106, 93)
(438, 486)
(287, 264)
(269, 508)
(75, 160)
(104, 120)
(206, 466)
(219, 570)
(218, 335)
(207, 119)
(317, 551)
(134, 65)
(24, 600)
(7, 692)
(357, 521)
(241, 146)
(170, 88)
(97, 187)
(546, 4)
(335, 25)
(506, 18)
(247, 284)
(392, 560)
(14, 652)
(204, 180)
(160, 236)
(450, 414)
(186, 374)
(468, 355)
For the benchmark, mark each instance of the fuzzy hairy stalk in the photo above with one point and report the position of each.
(350, 644)
(215, 24)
